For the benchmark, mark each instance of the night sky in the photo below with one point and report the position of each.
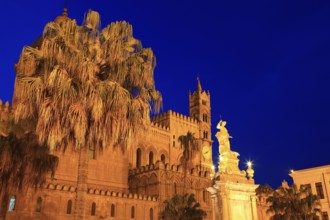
(265, 63)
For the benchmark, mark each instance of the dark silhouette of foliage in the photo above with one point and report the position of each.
(188, 144)
(264, 190)
(291, 203)
(23, 163)
(182, 207)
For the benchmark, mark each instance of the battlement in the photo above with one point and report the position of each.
(159, 165)
(159, 126)
(5, 109)
(100, 192)
(202, 92)
(167, 115)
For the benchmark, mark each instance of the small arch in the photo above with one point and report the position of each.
(39, 203)
(151, 214)
(205, 135)
(69, 207)
(93, 210)
(205, 119)
(133, 212)
(151, 158)
(112, 211)
(163, 158)
(138, 157)
(175, 188)
(12, 203)
(204, 196)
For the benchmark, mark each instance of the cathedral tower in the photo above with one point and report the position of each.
(200, 109)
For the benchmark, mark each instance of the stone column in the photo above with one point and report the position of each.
(225, 211)
(254, 207)
(215, 202)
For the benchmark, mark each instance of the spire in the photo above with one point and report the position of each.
(199, 86)
(65, 9)
(65, 12)
(64, 17)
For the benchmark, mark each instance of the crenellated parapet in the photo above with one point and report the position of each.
(99, 192)
(159, 165)
(165, 119)
(160, 126)
(5, 110)
(203, 92)
(183, 118)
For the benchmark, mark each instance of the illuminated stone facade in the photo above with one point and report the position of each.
(134, 183)
(318, 180)
(131, 184)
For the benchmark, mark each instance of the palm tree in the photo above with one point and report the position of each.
(182, 207)
(291, 203)
(264, 190)
(23, 162)
(82, 87)
(188, 144)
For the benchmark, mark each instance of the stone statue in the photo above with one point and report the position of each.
(223, 137)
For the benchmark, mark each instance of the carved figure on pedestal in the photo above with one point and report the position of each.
(223, 137)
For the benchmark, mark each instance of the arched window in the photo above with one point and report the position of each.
(162, 158)
(151, 158)
(205, 117)
(151, 214)
(205, 135)
(69, 207)
(112, 213)
(133, 212)
(12, 203)
(93, 210)
(174, 189)
(138, 157)
(39, 202)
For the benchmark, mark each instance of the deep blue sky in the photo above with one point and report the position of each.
(266, 64)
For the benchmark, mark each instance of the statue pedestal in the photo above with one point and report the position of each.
(234, 200)
(233, 192)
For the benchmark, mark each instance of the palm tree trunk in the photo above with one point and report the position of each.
(4, 206)
(185, 175)
(81, 184)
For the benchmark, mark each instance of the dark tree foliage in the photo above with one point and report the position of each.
(291, 203)
(182, 207)
(23, 163)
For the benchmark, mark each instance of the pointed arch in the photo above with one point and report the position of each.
(138, 157)
(93, 209)
(151, 213)
(132, 212)
(39, 203)
(69, 207)
(12, 203)
(151, 157)
(113, 210)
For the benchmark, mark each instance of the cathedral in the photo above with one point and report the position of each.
(130, 184)
(134, 183)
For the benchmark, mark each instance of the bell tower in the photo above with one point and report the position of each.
(200, 109)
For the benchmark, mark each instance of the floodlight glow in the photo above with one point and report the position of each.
(213, 167)
(249, 163)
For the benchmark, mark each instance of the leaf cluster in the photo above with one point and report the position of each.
(182, 207)
(86, 87)
(23, 163)
(291, 203)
